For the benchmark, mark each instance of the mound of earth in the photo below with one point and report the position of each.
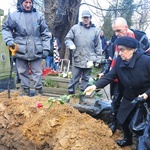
(23, 126)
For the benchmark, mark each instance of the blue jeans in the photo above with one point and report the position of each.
(50, 63)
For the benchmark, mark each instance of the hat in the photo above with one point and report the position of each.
(127, 42)
(86, 13)
(21, 1)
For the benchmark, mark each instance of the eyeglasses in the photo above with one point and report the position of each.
(119, 30)
(123, 49)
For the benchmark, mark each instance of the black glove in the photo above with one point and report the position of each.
(11, 44)
(137, 99)
(45, 54)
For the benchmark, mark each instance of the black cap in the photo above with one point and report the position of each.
(127, 42)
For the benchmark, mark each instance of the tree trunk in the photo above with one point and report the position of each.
(60, 16)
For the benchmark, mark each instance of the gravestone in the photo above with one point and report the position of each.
(5, 67)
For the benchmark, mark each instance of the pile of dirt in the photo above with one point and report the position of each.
(23, 126)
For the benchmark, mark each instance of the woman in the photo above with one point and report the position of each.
(133, 71)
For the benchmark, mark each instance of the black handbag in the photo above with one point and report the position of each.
(144, 140)
(138, 122)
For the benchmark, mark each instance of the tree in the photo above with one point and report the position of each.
(127, 10)
(60, 16)
(107, 29)
(141, 17)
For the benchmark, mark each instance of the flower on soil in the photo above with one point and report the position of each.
(39, 105)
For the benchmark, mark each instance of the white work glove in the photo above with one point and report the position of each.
(72, 47)
(90, 64)
(89, 90)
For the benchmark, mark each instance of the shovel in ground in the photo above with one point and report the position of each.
(13, 52)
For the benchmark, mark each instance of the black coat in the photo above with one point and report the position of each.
(135, 78)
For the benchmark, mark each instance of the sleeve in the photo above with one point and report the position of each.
(106, 67)
(45, 35)
(69, 38)
(148, 70)
(7, 29)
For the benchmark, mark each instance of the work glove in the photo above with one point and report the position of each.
(72, 47)
(11, 44)
(45, 54)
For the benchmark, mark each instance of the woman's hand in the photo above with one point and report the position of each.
(89, 90)
(100, 75)
(144, 95)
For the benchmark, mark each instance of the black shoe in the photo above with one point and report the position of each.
(39, 92)
(113, 127)
(25, 92)
(18, 80)
(69, 95)
(124, 142)
(83, 100)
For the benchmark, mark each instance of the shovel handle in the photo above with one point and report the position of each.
(13, 51)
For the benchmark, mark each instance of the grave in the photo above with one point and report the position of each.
(5, 67)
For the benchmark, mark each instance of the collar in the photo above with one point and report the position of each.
(132, 61)
(91, 25)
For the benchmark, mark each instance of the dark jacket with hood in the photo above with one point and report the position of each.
(135, 78)
(143, 44)
(29, 31)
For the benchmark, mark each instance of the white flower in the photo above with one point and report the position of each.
(90, 64)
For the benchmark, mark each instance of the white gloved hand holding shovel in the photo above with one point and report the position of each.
(72, 47)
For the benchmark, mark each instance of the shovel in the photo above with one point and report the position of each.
(13, 52)
(73, 70)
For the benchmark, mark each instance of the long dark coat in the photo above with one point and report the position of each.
(135, 78)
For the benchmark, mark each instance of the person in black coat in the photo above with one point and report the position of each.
(133, 71)
(120, 28)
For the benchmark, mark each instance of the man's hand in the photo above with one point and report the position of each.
(11, 44)
(100, 75)
(89, 90)
(45, 54)
(72, 47)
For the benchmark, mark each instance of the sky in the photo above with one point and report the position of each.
(7, 5)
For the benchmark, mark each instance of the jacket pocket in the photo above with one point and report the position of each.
(21, 46)
(38, 47)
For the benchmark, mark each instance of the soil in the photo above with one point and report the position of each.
(23, 126)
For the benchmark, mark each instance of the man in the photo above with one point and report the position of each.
(27, 28)
(84, 41)
(133, 71)
(120, 29)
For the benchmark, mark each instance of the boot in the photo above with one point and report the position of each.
(25, 92)
(114, 123)
(126, 141)
(83, 100)
(39, 92)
